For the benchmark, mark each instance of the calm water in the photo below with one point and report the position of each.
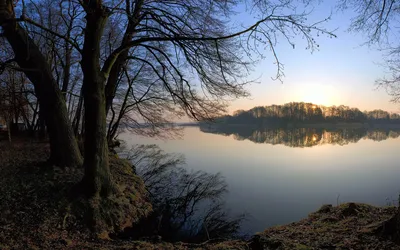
(280, 176)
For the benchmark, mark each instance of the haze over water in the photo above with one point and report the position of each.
(279, 184)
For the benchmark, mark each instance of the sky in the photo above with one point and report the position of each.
(342, 72)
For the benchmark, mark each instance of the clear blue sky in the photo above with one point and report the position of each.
(343, 71)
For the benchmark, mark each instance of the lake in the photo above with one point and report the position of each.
(278, 176)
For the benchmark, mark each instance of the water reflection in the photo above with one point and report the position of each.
(187, 205)
(301, 137)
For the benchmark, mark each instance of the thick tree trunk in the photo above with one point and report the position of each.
(64, 148)
(97, 180)
(9, 130)
(97, 173)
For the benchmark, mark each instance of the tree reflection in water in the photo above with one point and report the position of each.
(187, 206)
(301, 137)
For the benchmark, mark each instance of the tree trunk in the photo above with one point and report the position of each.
(42, 126)
(66, 69)
(8, 121)
(97, 180)
(64, 148)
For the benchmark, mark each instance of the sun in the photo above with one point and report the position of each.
(318, 94)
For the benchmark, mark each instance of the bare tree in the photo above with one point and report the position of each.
(13, 102)
(64, 18)
(377, 21)
(64, 149)
(6, 111)
(142, 107)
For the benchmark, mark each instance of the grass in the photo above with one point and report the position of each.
(347, 226)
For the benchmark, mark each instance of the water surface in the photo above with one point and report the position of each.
(280, 176)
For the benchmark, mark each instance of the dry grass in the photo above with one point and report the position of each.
(348, 226)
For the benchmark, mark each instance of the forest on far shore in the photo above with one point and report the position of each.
(301, 112)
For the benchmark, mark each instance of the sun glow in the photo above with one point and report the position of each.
(318, 94)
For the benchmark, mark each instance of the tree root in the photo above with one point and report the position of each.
(124, 206)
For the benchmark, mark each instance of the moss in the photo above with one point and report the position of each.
(302, 247)
(234, 244)
(124, 207)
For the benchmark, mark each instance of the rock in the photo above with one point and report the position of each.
(329, 219)
(325, 209)
(264, 242)
(350, 210)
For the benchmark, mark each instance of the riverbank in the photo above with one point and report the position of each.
(33, 214)
(347, 226)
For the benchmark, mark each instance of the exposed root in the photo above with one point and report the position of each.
(126, 205)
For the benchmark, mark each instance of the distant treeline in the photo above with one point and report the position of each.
(300, 112)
